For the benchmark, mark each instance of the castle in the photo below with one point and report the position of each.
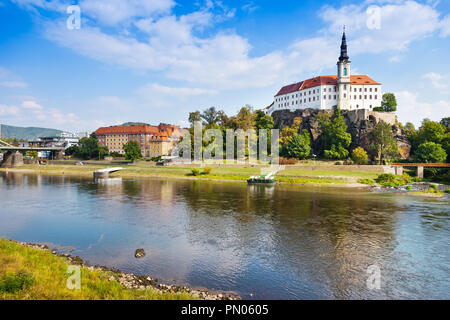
(346, 91)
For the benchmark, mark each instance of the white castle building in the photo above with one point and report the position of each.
(346, 91)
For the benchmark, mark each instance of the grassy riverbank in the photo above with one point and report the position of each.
(229, 173)
(36, 274)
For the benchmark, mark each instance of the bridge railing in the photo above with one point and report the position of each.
(4, 144)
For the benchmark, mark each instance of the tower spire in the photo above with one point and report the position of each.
(344, 54)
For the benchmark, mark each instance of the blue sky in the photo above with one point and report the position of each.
(157, 60)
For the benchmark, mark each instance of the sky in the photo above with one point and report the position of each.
(157, 60)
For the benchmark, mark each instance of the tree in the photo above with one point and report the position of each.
(382, 141)
(299, 146)
(334, 136)
(445, 122)
(430, 152)
(211, 116)
(88, 148)
(72, 150)
(246, 118)
(389, 102)
(287, 132)
(102, 152)
(430, 131)
(194, 117)
(132, 151)
(359, 156)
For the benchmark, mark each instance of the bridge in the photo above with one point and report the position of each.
(419, 167)
(13, 158)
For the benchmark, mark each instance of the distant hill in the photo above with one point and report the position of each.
(27, 133)
(130, 124)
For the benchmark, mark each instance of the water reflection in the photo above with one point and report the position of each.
(274, 242)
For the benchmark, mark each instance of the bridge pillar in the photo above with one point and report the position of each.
(420, 172)
(7, 160)
(399, 171)
(12, 160)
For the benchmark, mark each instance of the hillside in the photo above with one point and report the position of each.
(27, 133)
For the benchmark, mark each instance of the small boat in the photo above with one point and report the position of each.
(262, 180)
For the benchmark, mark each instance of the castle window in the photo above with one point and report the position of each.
(376, 97)
(365, 97)
(365, 89)
(370, 97)
(325, 97)
(334, 97)
(329, 97)
(360, 97)
(357, 106)
(376, 89)
(370, 89)
(345, 71)
(345, 87)
(355, 97)
(345, 95)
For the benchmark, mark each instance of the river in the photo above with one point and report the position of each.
(281, 242)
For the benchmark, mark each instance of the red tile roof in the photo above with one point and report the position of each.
(127, 130)
(325, 80)
(290, 88)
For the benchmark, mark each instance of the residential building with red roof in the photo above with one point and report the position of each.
(154, 141)
(344, 90)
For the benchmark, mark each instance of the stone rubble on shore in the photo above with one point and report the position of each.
(133, 281)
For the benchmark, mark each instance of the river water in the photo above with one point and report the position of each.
(282, 242)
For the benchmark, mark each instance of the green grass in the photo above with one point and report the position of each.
(32, 274)
(295, 176)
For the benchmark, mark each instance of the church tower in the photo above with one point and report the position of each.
(343, 76)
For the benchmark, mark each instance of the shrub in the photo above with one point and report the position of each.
(409, 188)
(359, 155)
(433, 186)
(285, 161)
(447, 191)
(207, 170)
(349, 162)
(366, 181)
(339, 163)
(16, 282)
(390, 180)
(195, 172)
(336, 152)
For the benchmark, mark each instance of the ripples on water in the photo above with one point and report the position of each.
(285, 242)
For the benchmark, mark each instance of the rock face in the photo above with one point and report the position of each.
(359, 123)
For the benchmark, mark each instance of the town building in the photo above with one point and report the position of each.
(65, 140)
(154, 141)
(344, 90)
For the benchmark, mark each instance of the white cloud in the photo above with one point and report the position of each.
(10, 80)
(6, 110)
(223, 60)
(410, 109)
(402, 22)
(445, 26)
(31, 105)
(437, 80)
(112, 12)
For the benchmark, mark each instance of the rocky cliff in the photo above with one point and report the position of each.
(359, 122)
